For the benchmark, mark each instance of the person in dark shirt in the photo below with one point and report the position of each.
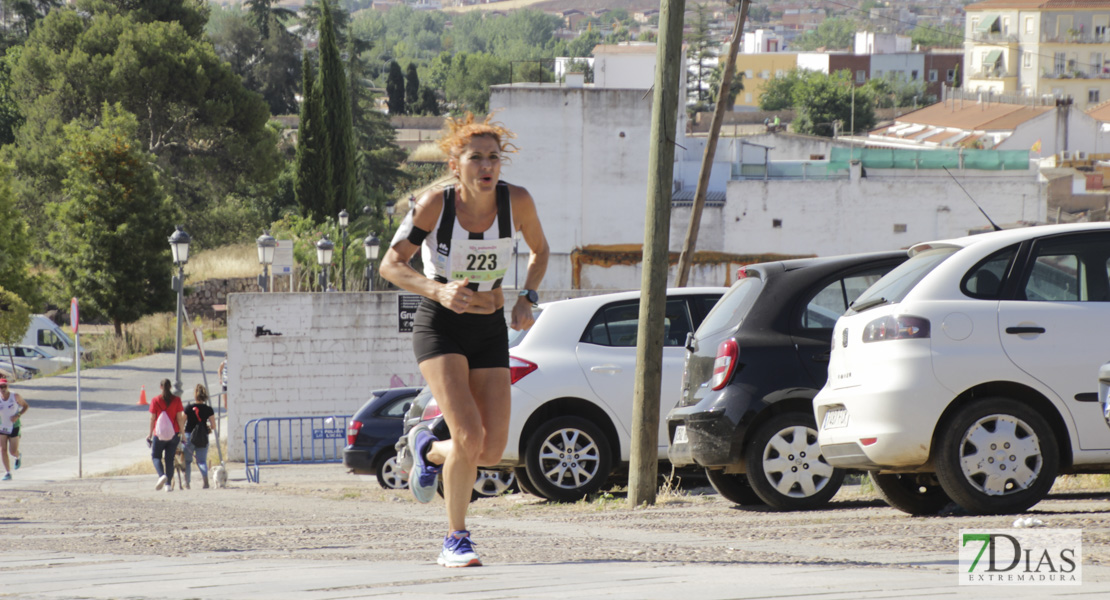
(196, 413)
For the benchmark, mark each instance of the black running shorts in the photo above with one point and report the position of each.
(482, 339)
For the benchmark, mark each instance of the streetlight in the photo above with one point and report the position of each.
(324, 248)
(179, 244)
(389, 211)
(371, 245)
(343, 220)
(267, 245)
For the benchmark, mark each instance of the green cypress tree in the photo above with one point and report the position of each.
(395, 89)
(337, 116)
(412, 89)
(311, 172)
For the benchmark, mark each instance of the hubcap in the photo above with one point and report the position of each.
(393, 475)
(793, 463)
(1000, 455)
(492, 483)
(569, 458)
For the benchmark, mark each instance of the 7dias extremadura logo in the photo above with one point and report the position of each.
(1021, 557)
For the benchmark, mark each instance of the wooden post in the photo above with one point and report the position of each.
(689, 246)
(649, 345)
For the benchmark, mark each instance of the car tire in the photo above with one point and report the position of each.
(733, 487)
(389, 472)
(997, 456)
(489, 483)
(568, 458)
(917, 494)
(524, 483)
(785, 465)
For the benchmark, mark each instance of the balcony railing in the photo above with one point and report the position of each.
(995, 38)
(1075, 38)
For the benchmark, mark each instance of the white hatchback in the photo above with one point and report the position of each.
(29, 356)
(969, 373)
(573, 375)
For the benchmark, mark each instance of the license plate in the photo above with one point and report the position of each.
(837, 417)
(680, 435)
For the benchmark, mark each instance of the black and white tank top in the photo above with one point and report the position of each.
(451, 253)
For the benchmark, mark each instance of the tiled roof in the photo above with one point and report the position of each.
(974, 116)
(1101, 112)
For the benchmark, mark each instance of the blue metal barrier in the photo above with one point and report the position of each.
(293, 440)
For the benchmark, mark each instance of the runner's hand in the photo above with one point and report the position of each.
(522, 314)
(455, 296)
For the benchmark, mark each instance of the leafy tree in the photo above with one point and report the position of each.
(412, 88)
(736, 85)
(336, 110)
(10, 117)
(778, 93)
(378, 158)
(264, 15)
(822, 100)
(312, 171)
(836, 33)
(312, 14)
(469, 81)
(893, 92)
(700, 51)
(948, 36)
(207, 133)
(395, 89)
(109, 235)
(268, 63)
(15, 318)
(15, 243)
(28, 13)
(191, 15)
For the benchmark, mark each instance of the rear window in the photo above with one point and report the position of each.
(893, 287)
(732, 307)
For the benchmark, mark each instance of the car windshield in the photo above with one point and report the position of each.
(894, 286)
(732, 307)
(517, 336)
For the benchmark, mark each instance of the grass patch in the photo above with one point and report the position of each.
(150, 334)
(226, 262)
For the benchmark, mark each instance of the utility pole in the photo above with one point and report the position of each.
(691, 242)
(653, 298)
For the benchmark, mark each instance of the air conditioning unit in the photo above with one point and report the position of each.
(1065, 155)
(1080, 155)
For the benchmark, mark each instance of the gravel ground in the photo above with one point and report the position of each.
(320, 512)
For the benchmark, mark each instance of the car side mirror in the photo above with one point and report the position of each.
(408, 405)
(689, 345)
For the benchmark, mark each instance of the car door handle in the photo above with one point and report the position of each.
(605, 369)
(1020, 330)
(1086, 397)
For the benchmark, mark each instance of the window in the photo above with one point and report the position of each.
(861, 76)
(1096, 63)
(878, 73)
(778, 73)
(1058, 60)
(899, 228)
(826, 307)
(1069, 269)
(933, 75)
(950, 76)
(984, 281)
(1100, 26)
(749, 74)
(776, 223)
(913, 75)
(1092, 96)
(1027, 60)
(1029, 25)
(765, 74)
(618, 325)
(747, 98)
(974, 23)
(1005, 25)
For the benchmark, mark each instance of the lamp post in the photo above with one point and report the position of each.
(371, 245)
(344, 219)
(389, 210)
(324, 249)
(267, 245)
(179, 244)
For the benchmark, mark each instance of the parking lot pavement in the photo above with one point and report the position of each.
(224, 578)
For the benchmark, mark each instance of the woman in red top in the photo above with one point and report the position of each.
(162, 451)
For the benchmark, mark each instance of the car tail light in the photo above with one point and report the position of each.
(431, 411)
(742, 273)
(727, 354)
(518, 368)
(902, 327)
(352, 431)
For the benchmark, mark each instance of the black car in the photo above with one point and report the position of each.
(752, 370)
(373, 431)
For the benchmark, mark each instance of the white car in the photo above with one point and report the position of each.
(573, 375)
(29, 356)
(968, 372)
(21, 372)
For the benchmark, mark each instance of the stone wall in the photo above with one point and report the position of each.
(208, 298)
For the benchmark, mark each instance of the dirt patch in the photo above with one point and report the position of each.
(319, 512)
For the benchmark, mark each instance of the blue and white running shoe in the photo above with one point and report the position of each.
(458, 551)
(424, 477)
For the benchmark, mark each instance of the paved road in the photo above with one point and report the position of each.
(113, 425)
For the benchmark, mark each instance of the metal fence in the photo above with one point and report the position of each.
(293, 440)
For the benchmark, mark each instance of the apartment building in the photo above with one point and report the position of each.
(1039, 47)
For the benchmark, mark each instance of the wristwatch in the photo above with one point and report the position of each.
(531, 295)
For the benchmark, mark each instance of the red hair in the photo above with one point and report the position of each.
(457, 133)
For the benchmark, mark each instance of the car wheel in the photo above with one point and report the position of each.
(733, 487)
(913, 493)
(785, 465)
(489, 483)
(525, 483)
(390, 475)
(568, 458)
(997, 456)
